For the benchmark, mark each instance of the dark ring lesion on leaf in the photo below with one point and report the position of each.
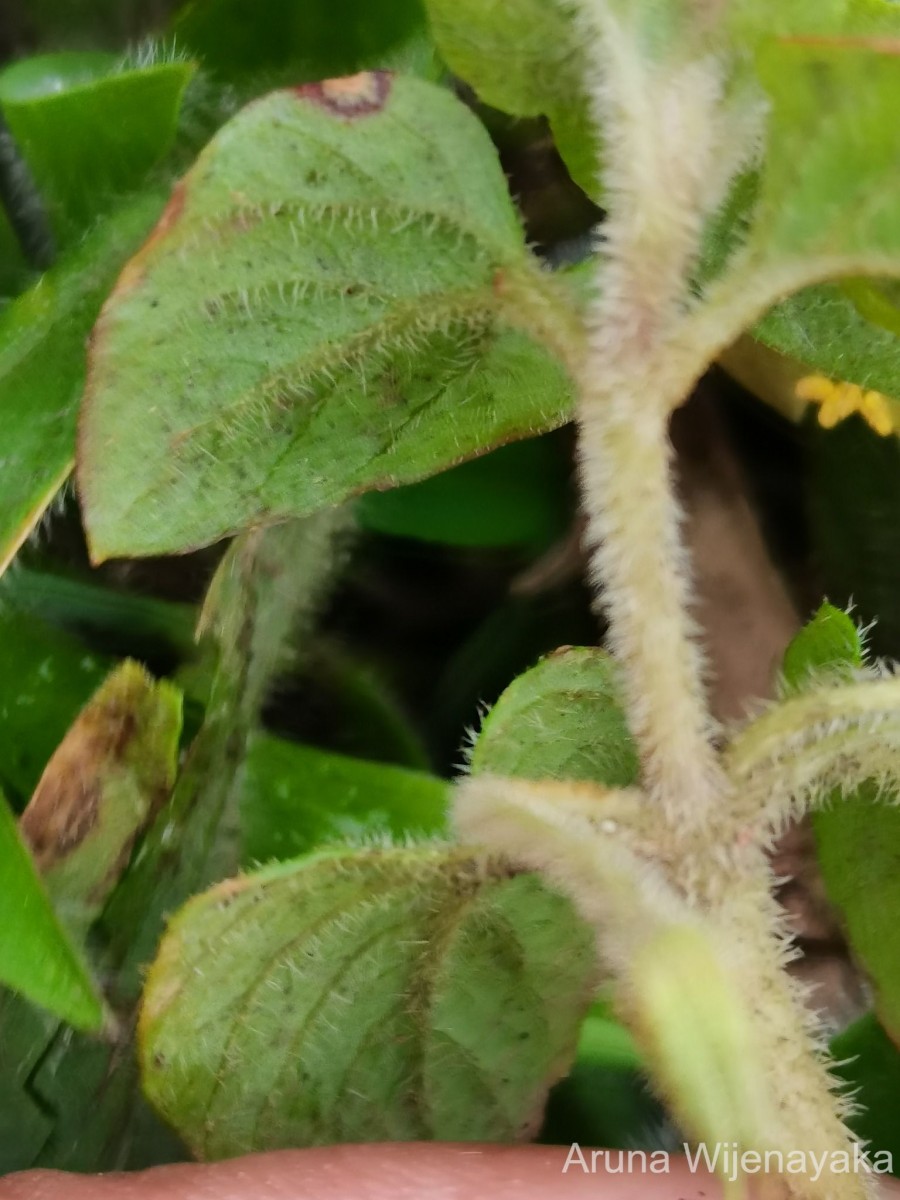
(350, 96)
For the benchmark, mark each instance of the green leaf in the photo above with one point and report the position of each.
(858, 844)
(755, 20)
(318, 39)
(377, 995)
(824, 329)
(857, 838)
(822, 210)
(830, 643)
(42, 365)
(36, 957)
(137, 623)
(832, 162)
(297, 797)
(528, 58)
(561, 720)
(516, 495)
(45, 678)
(58, 109)
(337, 283)
(869, 1066)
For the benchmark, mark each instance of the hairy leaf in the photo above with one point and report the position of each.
(36, 957)
(376, 995)
(58, 109)
(42, 364)
(297, 797)
(857, 837)
(329, 305)
(560, 720)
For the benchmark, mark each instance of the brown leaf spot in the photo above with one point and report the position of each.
(64, 808)
(351, 96)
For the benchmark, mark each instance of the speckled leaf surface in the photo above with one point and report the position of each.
(360, 996)
(331, 303)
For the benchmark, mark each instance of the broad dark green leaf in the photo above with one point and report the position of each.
(42, 365)
(334, 302)
(317, 38)
(132, 621)
(297, 797)
(561, 720)
(515, 496)
(858, 839)
(375, 995)
(46, 676)
(528, 58)
(36, 957)
(869, 1065)
(59, 109)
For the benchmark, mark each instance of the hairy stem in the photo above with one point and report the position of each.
(660, 122)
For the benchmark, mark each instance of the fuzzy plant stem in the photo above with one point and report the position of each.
(659, 142)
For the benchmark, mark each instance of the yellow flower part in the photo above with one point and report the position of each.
(840, 400)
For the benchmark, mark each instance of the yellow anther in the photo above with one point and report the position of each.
(838, 401)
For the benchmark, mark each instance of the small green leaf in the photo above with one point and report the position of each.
(36, 958)
(45, 678)
(378, 995)
(297, 797)
(561, 720)
(317, 38)
(58, 109)
(528, 58)
(513, 496)
(42, 365)
(829, 643)
(329, 305)
(857, 838)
